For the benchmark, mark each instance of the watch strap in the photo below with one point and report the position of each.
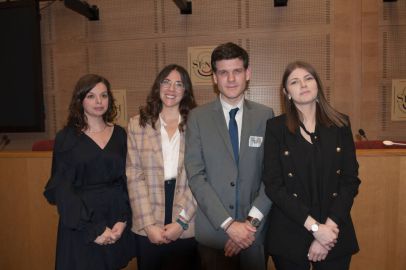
(184, 225)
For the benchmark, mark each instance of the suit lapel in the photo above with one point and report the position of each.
(181, 153)
(154, 136)
(292, 143)
(328, 141)
(221, 125)
(247, 118)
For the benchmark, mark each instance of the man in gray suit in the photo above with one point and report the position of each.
(223, 160)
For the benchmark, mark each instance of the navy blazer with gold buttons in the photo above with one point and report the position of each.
(285, 184)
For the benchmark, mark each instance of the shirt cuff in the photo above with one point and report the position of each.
(223, 225)
(255, 213)
(183, 214)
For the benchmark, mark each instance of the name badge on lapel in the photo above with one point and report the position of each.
(255, 141)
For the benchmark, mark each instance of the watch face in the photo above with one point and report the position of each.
(315, 228)
(255, 222)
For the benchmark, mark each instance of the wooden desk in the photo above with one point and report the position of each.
(379, 211)
(29, 223)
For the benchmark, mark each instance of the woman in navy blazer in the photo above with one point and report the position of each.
(311, 175)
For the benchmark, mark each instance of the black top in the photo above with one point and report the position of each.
(88, 186)
(301, 179)
(313, 163)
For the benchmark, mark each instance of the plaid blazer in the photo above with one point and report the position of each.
(145, 180)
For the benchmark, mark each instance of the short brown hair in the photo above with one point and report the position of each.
(228, 51)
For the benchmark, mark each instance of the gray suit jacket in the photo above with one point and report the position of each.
(214, 177)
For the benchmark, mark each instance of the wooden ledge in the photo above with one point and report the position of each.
(25, 154)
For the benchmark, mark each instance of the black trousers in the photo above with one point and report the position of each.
(342, 263)
(180, 255)
(252, 258)
(214, 259)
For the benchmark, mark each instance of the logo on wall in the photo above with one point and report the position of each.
(199, 66)
(120, 97)
(398, 100)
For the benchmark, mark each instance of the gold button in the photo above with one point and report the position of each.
(338, 149)
(338, 171)
(290, 175)
(335, 194)
(294, 195)
(286, 153)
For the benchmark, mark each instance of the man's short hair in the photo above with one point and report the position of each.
(228, 51)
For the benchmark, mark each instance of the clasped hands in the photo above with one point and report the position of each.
(241, 236)
(110, 236)
(324, 240)
(158, 235)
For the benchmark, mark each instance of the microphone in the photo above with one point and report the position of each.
(361, 132)
(4, 142)
(389, 143)
(3, 139)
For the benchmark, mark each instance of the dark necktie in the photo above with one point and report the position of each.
(233, 131)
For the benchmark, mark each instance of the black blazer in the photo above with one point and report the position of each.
(285, 185)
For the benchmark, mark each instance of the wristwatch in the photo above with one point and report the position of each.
(254, 221)
(314, 227)
(184, 225)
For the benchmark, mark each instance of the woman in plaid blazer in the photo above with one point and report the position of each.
(162, 203)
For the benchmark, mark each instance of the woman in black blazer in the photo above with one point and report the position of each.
(311, 176)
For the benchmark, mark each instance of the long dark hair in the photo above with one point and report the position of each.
(77, 118)
(326, 115)
(149, 113)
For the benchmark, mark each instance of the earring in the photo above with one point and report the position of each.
(289, 97)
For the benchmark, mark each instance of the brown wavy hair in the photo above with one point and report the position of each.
(326, 115)
(77, 118)
(149, 113)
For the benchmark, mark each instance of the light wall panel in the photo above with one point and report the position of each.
(352, 44)
(392, 62)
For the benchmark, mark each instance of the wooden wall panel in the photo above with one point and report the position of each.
(368, 114)
(209, 18)
(133, 41)
(127, 64)
(393, 13)
(392, 66)
(346, 59)
(263, 14)
(266, 94)
(123, 20)
(351, 43)
(270, 53)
